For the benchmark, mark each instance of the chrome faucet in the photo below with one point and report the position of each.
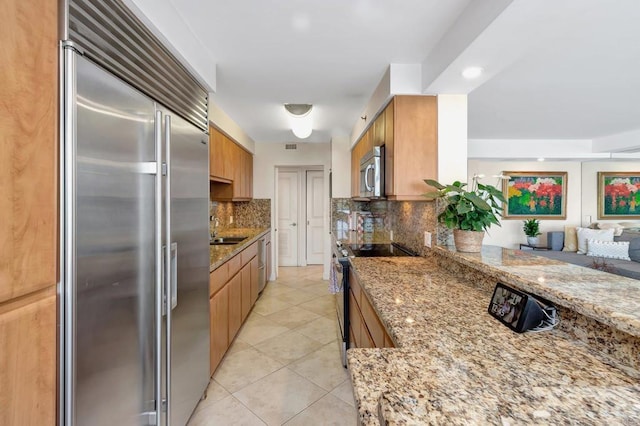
(216, 222)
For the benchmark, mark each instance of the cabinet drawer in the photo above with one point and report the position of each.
(234, 265)
(249, 253)
(218, 278)
(376, 329)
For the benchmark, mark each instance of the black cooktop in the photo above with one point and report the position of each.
(380, 250)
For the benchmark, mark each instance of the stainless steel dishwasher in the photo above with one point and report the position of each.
(262, 262)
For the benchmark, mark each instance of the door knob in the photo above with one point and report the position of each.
(293, 224)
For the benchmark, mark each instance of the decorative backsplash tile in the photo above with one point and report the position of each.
(252, 214)
(410, 220)
(246, 214)
(407, 219)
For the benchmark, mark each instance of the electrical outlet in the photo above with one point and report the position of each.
(391, 235)
(230, 220)
(427, 239)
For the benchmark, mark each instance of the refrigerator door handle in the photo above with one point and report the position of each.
(169, 270)
(174, 275)
(159, 296)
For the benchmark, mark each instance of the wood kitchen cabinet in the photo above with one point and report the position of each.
(246, 290)
(28, 362)
(233, 290)
(408, 128)
(235, 305)
(230, 168)
(378, 132)
(366, 329)
(28, 211)
(219, 315)
(412, 155)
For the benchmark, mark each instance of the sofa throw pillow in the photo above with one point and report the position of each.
(609, 225)
(608, 249)
(570, 239)
(596, 234)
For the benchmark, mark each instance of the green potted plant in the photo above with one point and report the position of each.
(531, 229)
(468, 212)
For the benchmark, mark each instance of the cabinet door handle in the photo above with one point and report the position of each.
(293, 224)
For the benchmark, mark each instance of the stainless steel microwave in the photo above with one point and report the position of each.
(372, 173)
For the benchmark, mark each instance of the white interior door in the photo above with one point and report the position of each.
(288, 186)
(315, 217)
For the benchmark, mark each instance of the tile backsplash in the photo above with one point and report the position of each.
(246, 214)
(407, 219)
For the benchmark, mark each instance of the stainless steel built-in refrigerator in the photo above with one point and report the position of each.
(136, 254)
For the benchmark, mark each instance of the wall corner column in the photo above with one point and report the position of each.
(452, 138)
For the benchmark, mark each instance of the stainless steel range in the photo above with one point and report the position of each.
(341, 265)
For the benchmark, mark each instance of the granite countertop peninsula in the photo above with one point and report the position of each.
(611, 299)
(455, 364)
(220, 254)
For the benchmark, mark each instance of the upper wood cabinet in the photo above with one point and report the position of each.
(413, 154)
(28, 211)
(230, 168)
(378, 130)
(29, 132)
(408, 128)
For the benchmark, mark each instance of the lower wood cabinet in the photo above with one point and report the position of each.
(235, 305)
(246, 290)
(366, 329)
(28, 362)
(219, 316)
(233, 290)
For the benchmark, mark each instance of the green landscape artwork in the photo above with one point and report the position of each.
(535, 195)
(618, 195)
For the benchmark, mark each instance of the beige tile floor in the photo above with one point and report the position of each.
(284, 366)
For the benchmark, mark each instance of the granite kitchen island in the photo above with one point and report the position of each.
(455, 364)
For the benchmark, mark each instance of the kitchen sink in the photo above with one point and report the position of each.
(226, 241)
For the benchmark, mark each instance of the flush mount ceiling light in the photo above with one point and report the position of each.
(472, 72)
(300, 119)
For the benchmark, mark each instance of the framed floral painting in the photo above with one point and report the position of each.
(618, 195)
(541, 195)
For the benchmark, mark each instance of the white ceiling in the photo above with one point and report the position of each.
(554, 70)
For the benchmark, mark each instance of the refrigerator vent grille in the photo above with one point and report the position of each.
(109, 34)
(291, 146)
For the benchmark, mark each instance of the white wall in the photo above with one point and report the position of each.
(269, 156)
(510, 234)
(590, 184)
(452, 137)
(220, 118)
(341, 167)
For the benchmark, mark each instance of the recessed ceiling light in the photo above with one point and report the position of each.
(540, 159)
(472, 72)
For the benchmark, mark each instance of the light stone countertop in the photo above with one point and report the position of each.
(455, 364)
(611, 299)
(220, 254)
